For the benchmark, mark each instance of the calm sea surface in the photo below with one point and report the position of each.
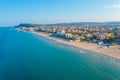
(26, 56)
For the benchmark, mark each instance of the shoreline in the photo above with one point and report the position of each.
(113, 52)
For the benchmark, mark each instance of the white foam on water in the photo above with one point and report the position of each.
(80, 51)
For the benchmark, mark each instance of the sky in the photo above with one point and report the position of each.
(13, 12)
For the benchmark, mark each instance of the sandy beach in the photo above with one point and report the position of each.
(113, 52)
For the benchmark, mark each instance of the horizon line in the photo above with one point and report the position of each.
(58, 23)
(70, 22)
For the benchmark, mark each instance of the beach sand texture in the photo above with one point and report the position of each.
(112, 52)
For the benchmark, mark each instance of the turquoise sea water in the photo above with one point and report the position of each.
(26, 56)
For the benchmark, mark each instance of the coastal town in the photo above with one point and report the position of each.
(59, 39)
(104, 36)
(98, 38)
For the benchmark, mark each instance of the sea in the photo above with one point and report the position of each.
(27, 56)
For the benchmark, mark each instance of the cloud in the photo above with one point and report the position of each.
(112, 6)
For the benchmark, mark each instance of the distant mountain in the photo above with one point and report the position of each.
(71, 24)
(27, 25)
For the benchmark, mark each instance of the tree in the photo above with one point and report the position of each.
(112, 37)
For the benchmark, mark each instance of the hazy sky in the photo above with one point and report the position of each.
(13, 12)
